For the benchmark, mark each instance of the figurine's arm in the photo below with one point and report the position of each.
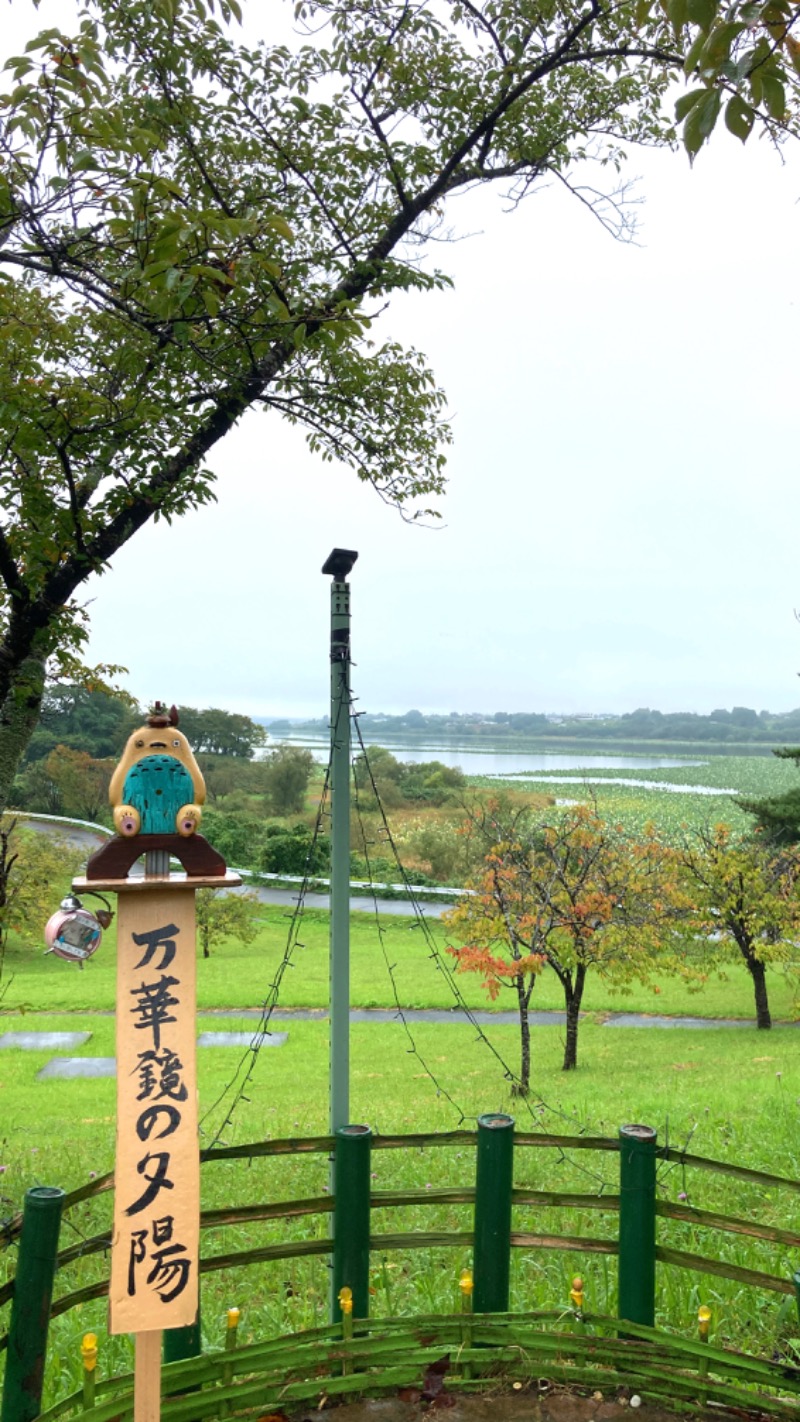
(187, 820)
(127, 820)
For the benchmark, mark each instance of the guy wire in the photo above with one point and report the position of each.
(245, 1068)
(413, 1049)
(443, 966)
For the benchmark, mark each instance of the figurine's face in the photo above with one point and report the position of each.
(158, 740)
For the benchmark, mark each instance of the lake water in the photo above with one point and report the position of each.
(488, 762)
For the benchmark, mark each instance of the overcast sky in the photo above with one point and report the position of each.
(620, 527)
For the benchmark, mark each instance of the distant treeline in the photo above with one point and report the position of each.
(739, 725)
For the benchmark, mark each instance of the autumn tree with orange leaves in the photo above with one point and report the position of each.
(571, 893)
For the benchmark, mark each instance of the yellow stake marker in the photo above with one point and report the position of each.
(232, 1324)
(703, 1323)
(576, 1297)
(89, 1356)
(346, 1305)
(466, 1284)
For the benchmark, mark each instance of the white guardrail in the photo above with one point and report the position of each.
(431, 890)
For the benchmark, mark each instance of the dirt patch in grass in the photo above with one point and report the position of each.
(527, 1405)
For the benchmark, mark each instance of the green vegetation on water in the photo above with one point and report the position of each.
(674, 813)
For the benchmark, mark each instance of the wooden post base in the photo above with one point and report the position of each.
(147, 1377)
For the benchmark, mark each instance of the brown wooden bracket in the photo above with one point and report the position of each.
(115, 859)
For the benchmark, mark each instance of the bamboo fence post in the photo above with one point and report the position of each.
(181, 1344)
(30, 1306)
(493, 1184)
(637, 1224)
(351, 1221)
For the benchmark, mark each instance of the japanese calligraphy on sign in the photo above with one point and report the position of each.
(155, 1249)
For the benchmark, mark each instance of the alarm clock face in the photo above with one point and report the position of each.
(73, 934)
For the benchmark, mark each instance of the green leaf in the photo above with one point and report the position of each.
(739, 118)
(774, 95)
(690, 62)
(278, 224)
(702, 13)
(701, 121)
(718, 45)
(686, 103)
(678, 14)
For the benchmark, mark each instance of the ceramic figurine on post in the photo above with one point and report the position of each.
(156, 793)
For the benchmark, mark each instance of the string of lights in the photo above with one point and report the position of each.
(243, 1075)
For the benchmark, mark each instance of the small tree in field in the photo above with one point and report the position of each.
(223, 915)
(747, 903)
(42, 865)
(571, 893)
(288, 771)
(71, 780)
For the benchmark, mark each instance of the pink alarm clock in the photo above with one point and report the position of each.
(73, 932)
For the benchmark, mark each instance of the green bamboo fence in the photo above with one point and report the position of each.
(392, 1353)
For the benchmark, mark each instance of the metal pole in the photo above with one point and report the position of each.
(493, 1184)
(30, 1307)
(351, 1219)
(637, 1224)
(338, 567)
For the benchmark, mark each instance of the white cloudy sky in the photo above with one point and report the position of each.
(620, 527)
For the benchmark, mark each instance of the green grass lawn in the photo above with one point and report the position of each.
(687, 1083)
(239, 976)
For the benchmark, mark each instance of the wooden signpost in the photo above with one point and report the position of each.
(157, 793)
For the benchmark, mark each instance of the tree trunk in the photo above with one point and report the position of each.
(522, 1087)
(758, 973)
(573, 996)
(18, 717)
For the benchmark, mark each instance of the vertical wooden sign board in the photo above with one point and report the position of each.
(156, 1237)
(155, 1245)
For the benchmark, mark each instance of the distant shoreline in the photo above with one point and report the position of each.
(544, 745)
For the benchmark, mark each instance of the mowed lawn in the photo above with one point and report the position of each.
(732, 1094)
(239, 976)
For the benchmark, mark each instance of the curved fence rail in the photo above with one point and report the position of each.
(473, 1353)
(634, 1241)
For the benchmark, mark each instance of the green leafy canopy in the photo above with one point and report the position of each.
(191, 226)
